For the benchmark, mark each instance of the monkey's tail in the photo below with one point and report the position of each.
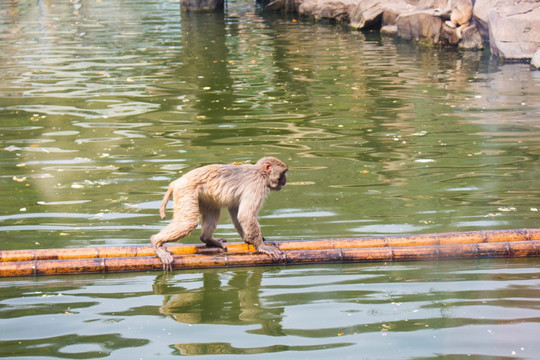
(165, 201)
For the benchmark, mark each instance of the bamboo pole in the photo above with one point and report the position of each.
(484, 236)
(480, 244)
(515, 249)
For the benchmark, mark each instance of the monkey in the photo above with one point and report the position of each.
(203, 192)
(459, 12)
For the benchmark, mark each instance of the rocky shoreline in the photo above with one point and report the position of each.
(511, 28)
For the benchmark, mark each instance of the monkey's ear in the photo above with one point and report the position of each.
(267, 167)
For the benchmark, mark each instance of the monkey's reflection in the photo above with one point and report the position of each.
(226, 297)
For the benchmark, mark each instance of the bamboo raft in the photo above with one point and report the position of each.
(458, 245)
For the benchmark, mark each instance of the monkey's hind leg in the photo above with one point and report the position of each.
(450, 24)
(459, 30)
(210, 219)
(176, 230)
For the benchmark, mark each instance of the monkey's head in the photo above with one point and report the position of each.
(275, 170)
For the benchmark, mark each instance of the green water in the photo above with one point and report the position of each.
(472, 309)
(103, 103)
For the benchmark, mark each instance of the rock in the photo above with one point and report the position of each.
(392, 10)
(420, 25)
(481, 13)
(511, 26)
(339, 10)
(535, 61)
(424, 25)
(471, 38)
(390, 30)
(367, 14)
(514, 31)
(432, 4)
(448, 34)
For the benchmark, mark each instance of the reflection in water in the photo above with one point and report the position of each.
(82, 347)
(235, 300)
(471, 308)
(231, 301)
(203, 64)
(347, 308)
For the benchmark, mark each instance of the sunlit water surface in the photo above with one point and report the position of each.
(471, 309)
(103, 102)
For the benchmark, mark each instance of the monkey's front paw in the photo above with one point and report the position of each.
(272, 251)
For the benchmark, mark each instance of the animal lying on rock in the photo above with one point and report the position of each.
(459, 13)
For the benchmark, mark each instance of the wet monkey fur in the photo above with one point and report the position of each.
(201, 193)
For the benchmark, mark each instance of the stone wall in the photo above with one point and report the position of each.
(511, 28)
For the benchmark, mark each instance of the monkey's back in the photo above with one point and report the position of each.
(221, 185)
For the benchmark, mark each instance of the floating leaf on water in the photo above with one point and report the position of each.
(19, 179)
(12, 148)
(301, 183)
(506, 208)
(65, 202)
(98, 216)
